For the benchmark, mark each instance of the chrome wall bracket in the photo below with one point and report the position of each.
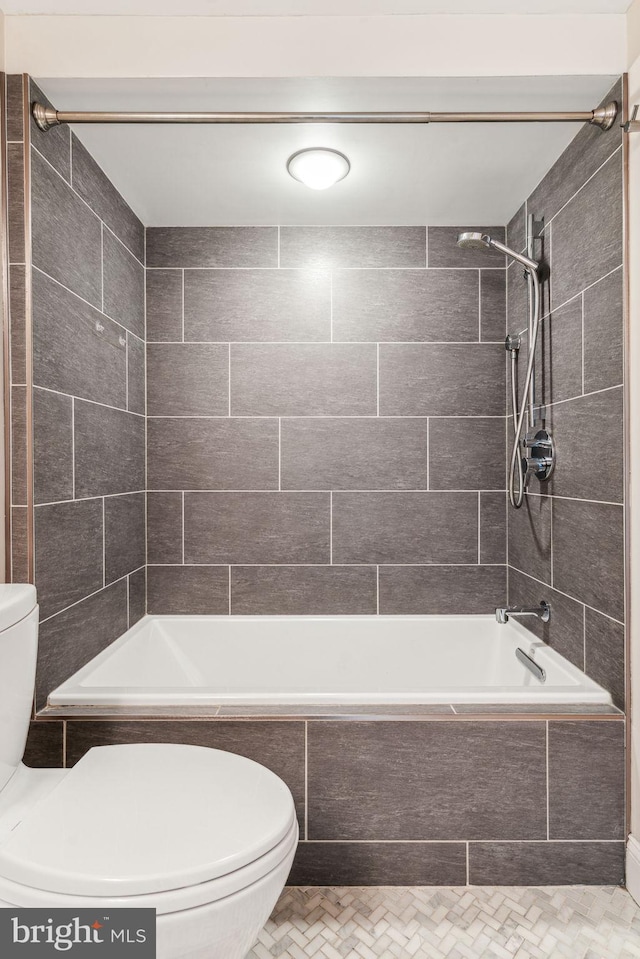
(540, 460)
(633, 124)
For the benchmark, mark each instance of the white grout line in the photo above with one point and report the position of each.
(428, 479)
(377, 379)
(580, 602)
(229, 382)
(120, 579)
(263, 343)
(93, 306)
(584, 639)
(356, 565)
(101, 266)
(280, 453)
(479, 523)
(479, 306)
(312, 416)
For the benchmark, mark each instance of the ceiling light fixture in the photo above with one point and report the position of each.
(318, 167)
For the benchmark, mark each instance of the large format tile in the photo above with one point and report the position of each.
(164, 305)
(278, 746)
(209, 454)
(516, 236)
(565, 630)
(587, 234)
(187, 379)
(493, 305)
(445, 252)
(15, 203)
(493, 528)
(164, 527)
(435, 380)
(52, 446)
(529, 537)
(215, 246)
(303, 590)
(109, 450)
(96, 189)
(604, 333)
(123, 284)
(441, 780)
(586, 780)
(53, 144)
(15, 107)
(379, 864)
(605, 654)
(67, 241)
(76, 349)
(351, 453)
(188, 590)
(406, 305)
(575, 473)
(316, 379)
(322, 247)
(585, 154)
(559, 355)
(19, 459)
(68, 553)
(73, 637)
(257, 305)
(45, 746)
(588, 554)
(441, 590)
(241, 528)
(136, 374)
(17, 331)
(546, 863)
(405, 527)
(466, 453)
(124, 535)
(137, 583)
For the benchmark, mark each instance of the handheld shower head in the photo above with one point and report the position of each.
(474, 241)
(481, 241)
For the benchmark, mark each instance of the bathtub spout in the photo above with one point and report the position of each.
(543, 612)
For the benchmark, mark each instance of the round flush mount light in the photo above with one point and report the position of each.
(318, 167)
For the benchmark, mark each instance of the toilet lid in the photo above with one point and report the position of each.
(135, 819)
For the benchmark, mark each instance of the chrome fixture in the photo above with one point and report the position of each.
(531, 665)
(318, 167)
(633, 124)
(47, 117)
(538, 453)
(543, 612)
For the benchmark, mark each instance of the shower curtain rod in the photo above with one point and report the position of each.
(46, 117)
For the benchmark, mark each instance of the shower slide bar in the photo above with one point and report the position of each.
(46, 117)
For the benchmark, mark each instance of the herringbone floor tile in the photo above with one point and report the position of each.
(508, 922)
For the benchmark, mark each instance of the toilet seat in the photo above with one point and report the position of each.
(122, 827)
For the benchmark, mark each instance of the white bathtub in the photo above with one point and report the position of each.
(253, 660)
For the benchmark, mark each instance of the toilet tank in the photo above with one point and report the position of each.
(18, 650)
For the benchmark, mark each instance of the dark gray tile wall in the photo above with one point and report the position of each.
(313, 394)
(428, 801)
(567, 545)
(88, 394)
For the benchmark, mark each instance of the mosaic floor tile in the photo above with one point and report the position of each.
(507, 922)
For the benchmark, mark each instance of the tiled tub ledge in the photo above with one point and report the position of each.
(338, 712)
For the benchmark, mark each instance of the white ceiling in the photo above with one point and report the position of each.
(402, 174)
(292, 8)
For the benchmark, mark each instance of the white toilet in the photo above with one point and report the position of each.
(205, 837)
